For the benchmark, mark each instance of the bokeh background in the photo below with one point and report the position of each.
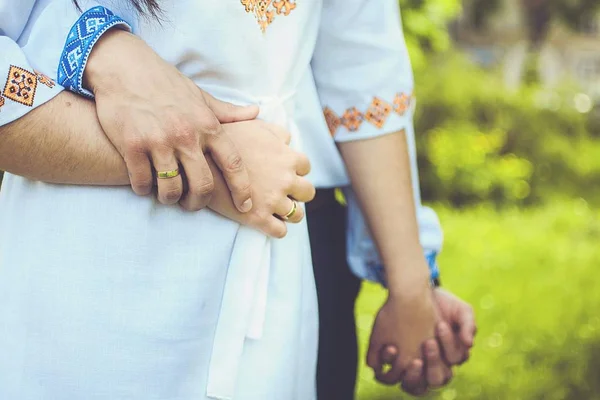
(508, 130)
(508, 126)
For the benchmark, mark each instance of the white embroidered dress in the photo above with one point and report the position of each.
(105, 295)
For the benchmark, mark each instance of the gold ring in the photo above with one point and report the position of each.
(291, 213)
(168, 174)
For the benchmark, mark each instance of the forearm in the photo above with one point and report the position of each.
(61, 142)
(379, 169)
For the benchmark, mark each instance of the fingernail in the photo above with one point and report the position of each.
(247, 205)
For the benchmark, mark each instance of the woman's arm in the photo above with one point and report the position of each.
(379, 171)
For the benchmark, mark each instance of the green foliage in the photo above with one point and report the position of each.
(575, 12)
(530, 276)
(425, 25)
(479, 142)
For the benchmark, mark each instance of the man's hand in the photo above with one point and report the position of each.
(277, 174)
(455, 333)
(404, 323)
(159, 119)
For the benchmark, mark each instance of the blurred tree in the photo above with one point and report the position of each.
(426, 26)
(575, 13)
(481, 10)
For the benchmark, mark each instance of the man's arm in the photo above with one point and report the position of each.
(61, 142)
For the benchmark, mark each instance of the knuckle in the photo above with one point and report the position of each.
(234, 164)
(172, 195)
(183, 135)
(203, 187)
(142, 187)
(210, 126)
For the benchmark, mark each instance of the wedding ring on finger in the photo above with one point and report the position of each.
(290, 213)
(167, 174)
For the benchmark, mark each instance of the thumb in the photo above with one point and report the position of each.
(227, 112)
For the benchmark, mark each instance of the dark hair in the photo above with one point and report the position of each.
(144, 7)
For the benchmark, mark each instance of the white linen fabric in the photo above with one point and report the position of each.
(107, 295)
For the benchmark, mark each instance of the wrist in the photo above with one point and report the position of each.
(410, 282)
(102, 69)
(91, 26)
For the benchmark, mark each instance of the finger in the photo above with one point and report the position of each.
(199, 181)
(467, 326)
(274, 227)
(395, 374)
(451, 347)
(436, 371)
(227, 112)
(465, 358)
(302, 190)
(289, 211)
(448, 379)
(302, 165)
(169, 189)
(140, 173)
(229, 161)
(281, 133)
(389, 354)
(374, 356)
(414, 381)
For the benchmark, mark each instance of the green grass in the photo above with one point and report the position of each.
(532, 277)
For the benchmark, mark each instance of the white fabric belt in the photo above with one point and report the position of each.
(244, 304)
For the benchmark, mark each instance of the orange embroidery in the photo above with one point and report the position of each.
(333, 122)
(377, 114)
(284, 4)
(20, 86)
(265, 10)
(44, 79)
(352, 119)
(1, 101)
(402, 103)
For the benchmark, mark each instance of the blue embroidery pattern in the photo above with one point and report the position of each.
(81, 39)
(434, 270)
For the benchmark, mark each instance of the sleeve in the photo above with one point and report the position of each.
(22, 87)
(362, 69)
(41, 41)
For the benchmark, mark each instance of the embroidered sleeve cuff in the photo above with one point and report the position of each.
(21, 87)
(81, 39)
(381, 116)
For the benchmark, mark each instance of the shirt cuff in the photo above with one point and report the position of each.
(81, 39)
(382, 115)
(22, 88)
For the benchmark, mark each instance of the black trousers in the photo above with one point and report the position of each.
(337, 290)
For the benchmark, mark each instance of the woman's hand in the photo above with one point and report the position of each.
(406, 321)
(455, 333)
(276, 172)
(159, 119)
